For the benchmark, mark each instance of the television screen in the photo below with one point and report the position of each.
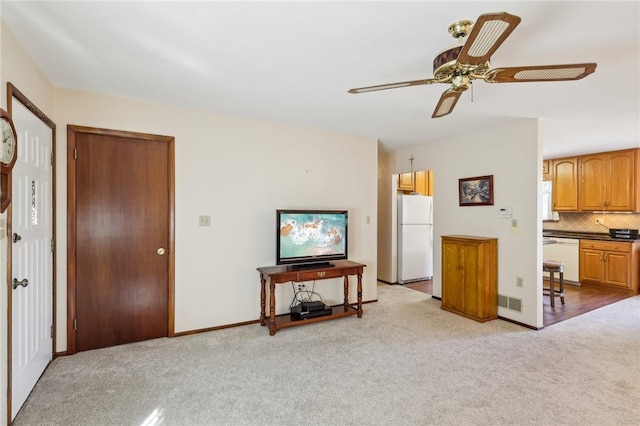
(311, 236)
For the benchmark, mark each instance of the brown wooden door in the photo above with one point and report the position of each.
(122, 238)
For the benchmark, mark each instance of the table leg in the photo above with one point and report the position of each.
(263, 297)
(272, 307)
(346, 293)
(552, 291)
(359, 295)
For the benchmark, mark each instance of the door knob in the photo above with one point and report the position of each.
(17, 283)
(16, 237)
(161, 251)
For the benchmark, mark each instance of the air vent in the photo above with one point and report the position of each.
(510, 303)
(515, 304)
(503, 301)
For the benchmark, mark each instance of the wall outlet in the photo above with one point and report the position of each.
(519, 282)
(204, 221)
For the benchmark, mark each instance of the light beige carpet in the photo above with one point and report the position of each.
(405, 362)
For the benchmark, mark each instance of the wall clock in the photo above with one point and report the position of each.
(8, 155)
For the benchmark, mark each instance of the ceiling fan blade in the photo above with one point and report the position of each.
(540, 73)
(446, 103)
(394, 85)
(486, 35)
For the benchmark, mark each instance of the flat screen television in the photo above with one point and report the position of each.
(311, 238)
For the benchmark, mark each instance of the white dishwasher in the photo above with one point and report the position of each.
(566, 250)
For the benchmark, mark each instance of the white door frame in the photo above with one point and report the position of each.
(14, 93)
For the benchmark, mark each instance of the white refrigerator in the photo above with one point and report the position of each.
(415, 238)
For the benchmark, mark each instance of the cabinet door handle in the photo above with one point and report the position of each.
(321, 274)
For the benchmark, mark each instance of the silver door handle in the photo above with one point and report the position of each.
(17, 283)
(161, 251)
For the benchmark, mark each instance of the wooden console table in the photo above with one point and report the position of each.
(284, 274)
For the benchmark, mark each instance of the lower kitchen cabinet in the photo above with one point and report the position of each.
(470, 276)
(610, 263)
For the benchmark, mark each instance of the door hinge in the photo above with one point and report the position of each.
(75, 153)
(52, 331)
(53, 246)
(52, 158)
(75, 323)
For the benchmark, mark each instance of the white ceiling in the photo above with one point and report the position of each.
(293, 62)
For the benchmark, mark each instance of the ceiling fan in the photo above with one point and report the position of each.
(458, 66)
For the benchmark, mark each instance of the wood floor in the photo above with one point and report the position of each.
(578, 300)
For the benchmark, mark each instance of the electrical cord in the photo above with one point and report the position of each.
(303, 294)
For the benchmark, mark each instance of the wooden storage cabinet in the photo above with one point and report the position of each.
(470, 276)
(421, 182)
(610, 263)
(564, 173)
(609, 181)
(406, 182)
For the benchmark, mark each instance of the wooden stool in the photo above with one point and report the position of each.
(553, 266)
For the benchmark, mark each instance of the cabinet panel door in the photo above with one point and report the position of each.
(591, 267)
(593, 177)
(405, 182)
(565, 184)
(473, 294)
(617, 269)
(452, 276)
(620, 183)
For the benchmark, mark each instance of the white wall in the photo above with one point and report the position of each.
(387, 234)
(513, 155)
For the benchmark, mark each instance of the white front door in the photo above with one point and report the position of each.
(32, 257)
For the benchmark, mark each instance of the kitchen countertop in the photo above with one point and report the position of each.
(583, 235)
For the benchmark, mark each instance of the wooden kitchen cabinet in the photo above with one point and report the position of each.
(565, 184)
(424, 182)
(405, 182)
(421, 182)
(470, 276)
(610, 263)
(610, 181)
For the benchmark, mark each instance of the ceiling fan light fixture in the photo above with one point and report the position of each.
(460, 83)
(460, 65)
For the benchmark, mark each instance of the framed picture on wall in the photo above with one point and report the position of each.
(476, 191)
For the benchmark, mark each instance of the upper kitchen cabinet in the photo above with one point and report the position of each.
(424, 182)
(421, 182)
(609, 181)
(565, 184)
(405, 182)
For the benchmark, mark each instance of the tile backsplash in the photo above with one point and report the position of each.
(586, 222)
